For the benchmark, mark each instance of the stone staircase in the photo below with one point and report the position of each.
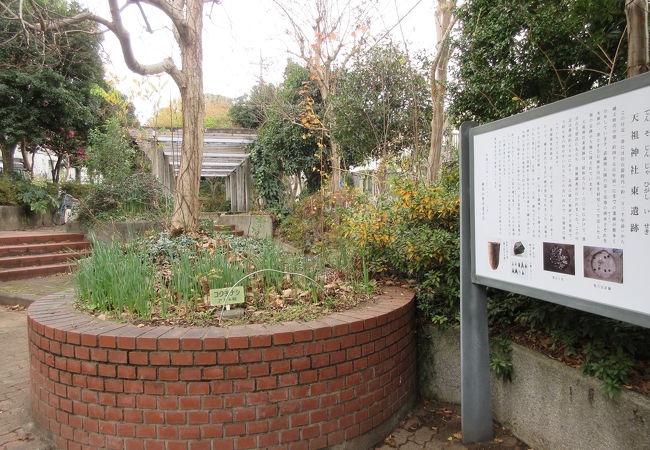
(30, 255)
(228, 229)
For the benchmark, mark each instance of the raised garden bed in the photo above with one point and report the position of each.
(341, 381)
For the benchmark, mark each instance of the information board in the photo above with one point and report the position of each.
(561, 202)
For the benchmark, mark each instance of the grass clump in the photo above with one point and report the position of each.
(162, 279)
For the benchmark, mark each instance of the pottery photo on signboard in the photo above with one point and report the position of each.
(494, 248)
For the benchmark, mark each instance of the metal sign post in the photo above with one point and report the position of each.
(476, 404)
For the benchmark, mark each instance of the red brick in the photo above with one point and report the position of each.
(107, 370)
(190, 373)
(139, 358)
(190, 432)
(280, 367)
(288, 379)
(200, 445)
(246, 442)
(154, 445)
(235, 400)
(114, 414)
(169, 343)
(147, 373)
(126, 400)
(236, 371)
(134, 387)
(192, 344)
(228, 357)
(272, 354)
(198, 388)
(159, 358)
(279, 423)
(134, 444)
(156, 417)
(98, 354)
(221, 416)
(107, 399)
(234, 429)
(222, 387)
(264, 412)
(190, 402)
(244, 414)
(265, 383)
(146, 431)
(182, 359)
(303, 335)
(261, 426)
(205, 358)
(197, 417)
(308, 376)
(168, 403)
(214, 343)
(310, 432)
(79, 352)
(261, 341)
(211, 402)
(133, 415)
(126, 430)
(167, 432)
(259, 370)
(154, 387)
(113, 385)
(294, 351)
(168, 373)
(175, 418)
(146, 402)
(177, 446)
(179, 388)
(211, 431)
(126, 372)
(289, 436)
(244, 385)
(257, 398)
(118, 356)
(283, 338)
(238, 342)
(214, 373)
(269, 439)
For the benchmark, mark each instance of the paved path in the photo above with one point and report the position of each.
(15, 423)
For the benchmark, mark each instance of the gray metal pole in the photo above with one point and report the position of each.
(476, 404)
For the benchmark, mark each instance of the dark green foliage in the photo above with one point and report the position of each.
(282, 147)
(513, 55)
(137, 197)
(46, 80)
(381, 105)
(36, 196)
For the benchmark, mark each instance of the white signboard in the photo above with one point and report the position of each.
(562, 202)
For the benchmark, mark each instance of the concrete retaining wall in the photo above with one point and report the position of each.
(548, 404)
(16, 218)
(253, 225)
(111, 231)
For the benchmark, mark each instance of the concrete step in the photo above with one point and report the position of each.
(38, 238)
(40, 259)
(20, 273)
(35, 249)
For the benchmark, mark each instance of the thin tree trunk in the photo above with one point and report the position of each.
(336, 166)
(8, 157)
(28, 163)
(636, 13)
(186, 204)
(444, 24)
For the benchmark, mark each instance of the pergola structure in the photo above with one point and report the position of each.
(224, 155)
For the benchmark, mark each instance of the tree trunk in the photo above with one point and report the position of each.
(444, 23)
(56, 169)
(336, 166)
(7, 157)
(28, 163)
(186, 204)
(636, 13)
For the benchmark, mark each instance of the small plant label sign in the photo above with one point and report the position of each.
(227, 296)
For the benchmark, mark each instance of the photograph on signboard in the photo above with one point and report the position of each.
(604, 264)
(559, 258)
(519, 249)
(494, 250)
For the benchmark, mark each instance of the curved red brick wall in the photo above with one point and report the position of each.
(99, 384)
